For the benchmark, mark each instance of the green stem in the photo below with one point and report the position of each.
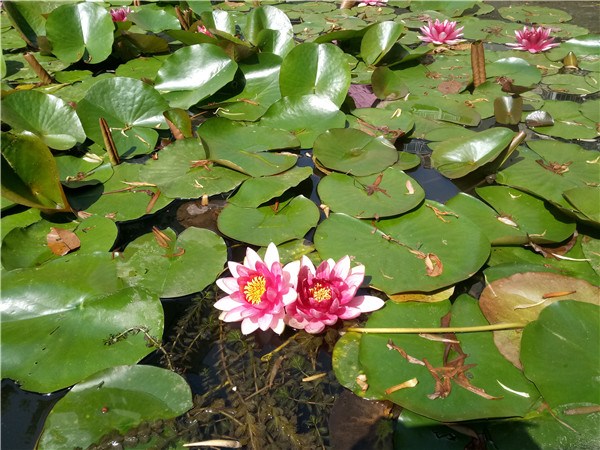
(495, 327)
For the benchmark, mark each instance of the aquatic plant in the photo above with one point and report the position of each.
(533, 40)
(120, 14)
(441, 32)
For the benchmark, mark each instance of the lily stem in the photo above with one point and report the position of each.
(495, 327)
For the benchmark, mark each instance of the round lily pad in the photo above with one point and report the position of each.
(277, 223)
(354, 152)
(389, 193)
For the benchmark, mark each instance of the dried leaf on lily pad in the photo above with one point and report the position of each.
(539, 119)
(430, 297)
(61, 241)
(522, 296)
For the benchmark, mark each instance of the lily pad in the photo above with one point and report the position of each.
(364, 197)
(517, 69)
(534, 14)
(155, 18)
(354, 152)
(560, 352)
(572, 84)
(46, 116)
(118, 398)
(522, 296)
(457, 157)
(174, 265)
(22, 180)
(131, 109)
(569, 123)
(484, 368)
(183, 170)
(266, 18)
(193, 73)
(42, 345)
(585, 199)
(345, 362)
(247, 147)
(319, 69)
(256, 191)
(278, 223)
(83, 30)
(537, 219)
(383, 122)
(378, 41)
(306, 116)
(428, 243)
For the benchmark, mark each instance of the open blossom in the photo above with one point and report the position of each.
(258, 291)
(441, 32)
(120, 14)
(533, 40)
(328, 294)
(202, 29)
(372, 3)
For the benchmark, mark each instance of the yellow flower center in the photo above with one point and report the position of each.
(254, 289)
(320, 292)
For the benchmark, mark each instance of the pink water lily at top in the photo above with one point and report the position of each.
(372, 3)
(258, 291)
(533, 40)
(327, 294)
(441, 32)
(120, 14)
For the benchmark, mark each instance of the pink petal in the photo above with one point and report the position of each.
(314, 327)
(342, 268)
(228, 285)
(271, 255)
(366, 303)
(249, 325)
(278, 325)
(227, 304)
(251, 258)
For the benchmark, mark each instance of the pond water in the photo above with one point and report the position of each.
(215, 358)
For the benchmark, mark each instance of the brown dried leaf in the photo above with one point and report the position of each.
(161, 238)
(434, 265)
(61, 241)
(450, 87)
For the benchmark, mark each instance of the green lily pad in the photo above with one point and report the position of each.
(179, 172)
(155, 18)
(46, 116)
(585, 47)
(266, 17)
(22, 180)
(306, 116)
(118, 398)
(123, 197)
(520, 71)
(17, 69)
(142, 67)
(395, 194)
(86, 170)
(247, 147)
(83, 30)
(277, 223)
(533, 170)
(534, 14)
(522, 296)
(42, 344)
(345, 362)
(130, 107)
(261, 90)
(591, 110)
(569, 123)
(565, 332)
(378, 41)
(354, 152)
(388, 84)
(256, 191)
(449, 111)
(29, 18)
(193, 73)
(538, 220)
(498, 230)
(407, 161)
(450, 9)
(457, 157)
(589, 245)
(189, 263)
(383, 122)
(319, 69)
(585, 199)
(423, 242)
(17, 220)
(572, 84)
(385, 368)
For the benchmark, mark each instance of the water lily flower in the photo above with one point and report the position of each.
(372, 3)
(533, 40)
(441, 32)
(328, 294)
(258, 291)
(202, 29)
(120, 14)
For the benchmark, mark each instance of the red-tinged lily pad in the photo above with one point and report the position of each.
(389, 193)
(118, 398)
(354, 152)
(473, 374)
(22, 180)
(521, 297)
(46, 116)
(277, 222)
(43, 347)
(560, 352)
(428, 243)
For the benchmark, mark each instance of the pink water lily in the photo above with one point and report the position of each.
(533, 40)
(372, 3)
(258, 291)
(441, 32)
(202, 29)
(328, 294)
(120, 14)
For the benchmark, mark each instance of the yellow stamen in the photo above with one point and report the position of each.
(320, 292)
(254, 289)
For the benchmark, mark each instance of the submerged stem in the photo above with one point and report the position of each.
(495, 327)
